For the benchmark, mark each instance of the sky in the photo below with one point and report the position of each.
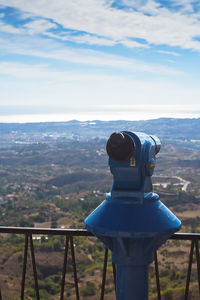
(104, 59)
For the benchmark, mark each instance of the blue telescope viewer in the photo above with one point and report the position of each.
(132, 222)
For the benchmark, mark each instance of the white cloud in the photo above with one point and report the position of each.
(171, 61)
(95, 40)
(133, 44)
(51, 50)
(10, 29)
(28, 71)
(145, 6)
(82, 39)
(97, 17)
(168, 52)
(150, 7)
(38, 26)
(186, 5)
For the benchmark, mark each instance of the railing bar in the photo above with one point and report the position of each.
(189, 271)
(114, 275)
(74, 267)
(157, 275)
(185, 236)
(34, 268)
(24, 267)
(198, 263)
(104, 274)
(51, 231)
(64, 267)
(0, 295)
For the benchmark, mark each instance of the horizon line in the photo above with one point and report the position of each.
(49, 118)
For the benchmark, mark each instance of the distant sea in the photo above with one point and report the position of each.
(132, 113)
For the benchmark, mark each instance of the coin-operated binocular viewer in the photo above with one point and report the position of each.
(132, 222)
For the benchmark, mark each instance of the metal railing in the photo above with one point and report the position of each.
(69, 243)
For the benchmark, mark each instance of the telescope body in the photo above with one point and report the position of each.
(132, 222)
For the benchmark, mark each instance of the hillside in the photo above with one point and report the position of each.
(165, 128)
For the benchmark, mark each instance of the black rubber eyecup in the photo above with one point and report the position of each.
(120, 147)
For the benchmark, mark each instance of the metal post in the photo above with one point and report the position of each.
(34, 268)
(64, 267)
(189, 271)
(198, 262)
(114, 275)
(157, 276)
(24, 266)
(74, 268)
(104, 274)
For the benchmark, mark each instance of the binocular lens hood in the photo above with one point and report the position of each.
(120, 146)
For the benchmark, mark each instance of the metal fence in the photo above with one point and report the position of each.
(69, 243)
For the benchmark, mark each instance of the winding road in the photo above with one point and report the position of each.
(183, 182)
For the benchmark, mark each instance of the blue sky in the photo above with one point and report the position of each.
(100, 55)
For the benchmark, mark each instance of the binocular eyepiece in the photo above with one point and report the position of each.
(122, 145)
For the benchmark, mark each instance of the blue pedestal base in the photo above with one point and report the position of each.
(132, 282)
